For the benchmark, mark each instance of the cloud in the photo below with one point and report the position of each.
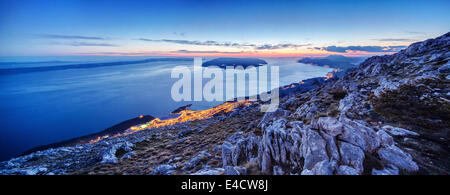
(84, 44)
(207, 43)
(280, 46)
(394, 40)
(181, 34)
(76, 40)
(208, 52)
(72, 37)
(92, 44)
(123, 53)
(416, 32)
(362, 48)
(227, 44)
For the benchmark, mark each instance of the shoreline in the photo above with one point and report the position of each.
(121, 127)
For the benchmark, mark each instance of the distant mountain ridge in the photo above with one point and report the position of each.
(85, 65)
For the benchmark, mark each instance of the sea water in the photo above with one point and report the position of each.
(45, 107)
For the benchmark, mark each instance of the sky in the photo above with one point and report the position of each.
(217, 28)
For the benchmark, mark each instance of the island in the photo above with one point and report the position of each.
(333, 61)
(244, 62)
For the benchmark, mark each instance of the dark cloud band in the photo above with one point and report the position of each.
(362, 48)
(77, 37)
(396, 40)
(228, 44)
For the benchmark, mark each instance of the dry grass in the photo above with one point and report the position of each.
(159, 150)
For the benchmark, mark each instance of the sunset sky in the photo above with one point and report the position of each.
(217, 28)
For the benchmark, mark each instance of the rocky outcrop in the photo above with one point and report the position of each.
(197, 160)
(230, 170)
(163, 170)
(397, 131)
(109, 155)
(210, 171)
(326, 146)
(64, 160)
(397, 157)
(349, 140)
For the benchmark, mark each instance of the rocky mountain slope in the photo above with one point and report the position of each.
(389, 116)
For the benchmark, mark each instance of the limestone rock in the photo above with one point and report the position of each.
(163, 170)
(313, 149)
(269, 116)
(210, 171)
(324, 167)
(394, 155)
(352, 155)
(385, 139)
(397, 131)
(277, 170)
(346, 170)
(388, 170)
(230, 170)
(227, 151)
(329, 125)
(194, 162)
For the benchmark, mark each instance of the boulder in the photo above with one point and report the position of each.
(324, 167)
(246, 150)
(210, 171)
(329, 125)
(277, 170)
(331, 148)
(274, 139)
(236, 137)
(388, 170)
(295, 153)
(352, 155)
(194, 162)
(266, 162)
(128, 155)
(185, 132)
(346, 170)
(239, 154)
(359, 134)
(236, 170)
(385, 139)
(270, 116)
(109, 155)
(227, 151)
(397, 131)
(313, 149)
(306, 172)
(396, 156)
(163, 170)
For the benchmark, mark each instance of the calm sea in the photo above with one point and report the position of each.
(44, 107)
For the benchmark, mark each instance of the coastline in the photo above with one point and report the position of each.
(123, 126)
